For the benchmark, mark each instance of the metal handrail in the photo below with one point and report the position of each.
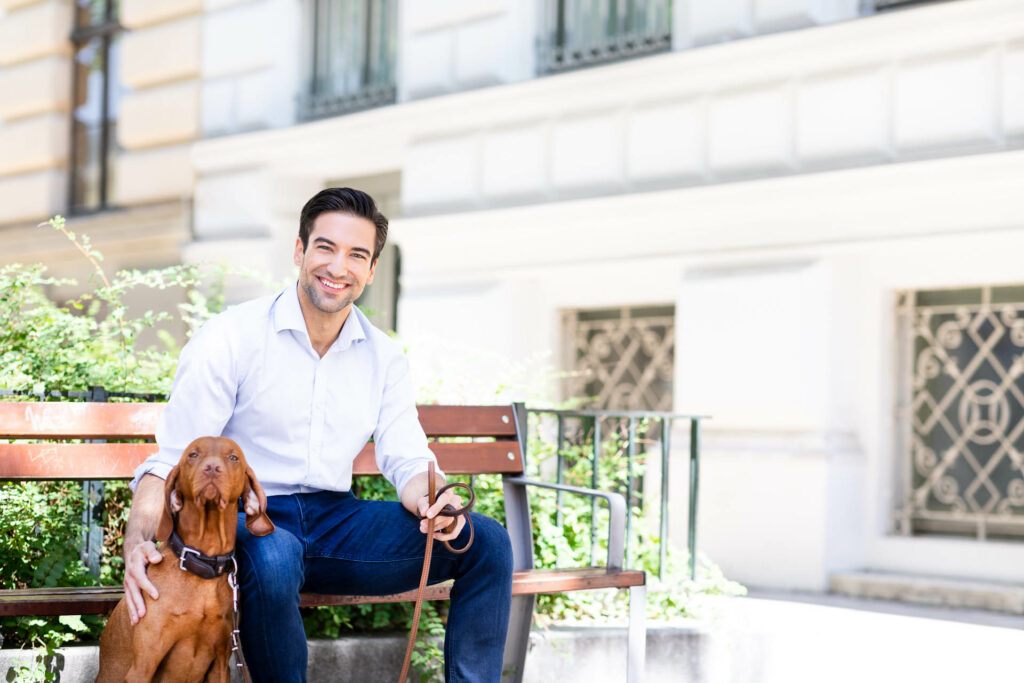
(632, 418)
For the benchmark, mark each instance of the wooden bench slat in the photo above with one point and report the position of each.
(80, 461)
(101, 599)
(42, 420)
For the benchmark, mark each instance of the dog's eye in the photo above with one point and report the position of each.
(233, 458)
(193, 454)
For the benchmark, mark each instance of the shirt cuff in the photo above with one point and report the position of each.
(159, 469)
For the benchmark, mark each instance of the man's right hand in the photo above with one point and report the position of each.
(139, 550)
(136, 560)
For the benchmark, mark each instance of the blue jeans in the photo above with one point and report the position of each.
(334, 543)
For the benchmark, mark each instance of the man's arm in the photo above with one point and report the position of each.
(416, 499)
(139, 549)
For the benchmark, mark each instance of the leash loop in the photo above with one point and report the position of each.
(448, 511)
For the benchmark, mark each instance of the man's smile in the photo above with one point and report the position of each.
(331, 284)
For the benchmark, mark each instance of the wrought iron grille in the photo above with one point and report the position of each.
(354, 44)
(580, 33)
(621, 358)
(881, 5)
(963, 412)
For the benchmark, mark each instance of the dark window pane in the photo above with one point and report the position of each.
(90, 13)
(87, 123)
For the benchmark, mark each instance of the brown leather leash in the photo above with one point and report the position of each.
(448, 511)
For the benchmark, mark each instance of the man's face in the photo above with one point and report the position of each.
(336, 264)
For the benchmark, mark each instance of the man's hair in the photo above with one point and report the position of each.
(348, 201)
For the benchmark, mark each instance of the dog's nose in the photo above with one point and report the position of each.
(212, 469)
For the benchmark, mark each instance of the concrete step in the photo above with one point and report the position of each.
(929, 590)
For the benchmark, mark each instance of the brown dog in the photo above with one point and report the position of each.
(186, 634)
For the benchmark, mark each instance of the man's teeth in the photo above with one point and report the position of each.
(328, 283)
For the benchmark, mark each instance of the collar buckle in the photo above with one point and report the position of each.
(184, 554)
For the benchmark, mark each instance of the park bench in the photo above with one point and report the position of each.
(105, 441)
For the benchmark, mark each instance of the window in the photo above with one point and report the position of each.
(621, 358)
(95, 96)
(579, 33)
(962, 412)
(353, 66)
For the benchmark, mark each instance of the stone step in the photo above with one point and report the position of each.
(916, 589)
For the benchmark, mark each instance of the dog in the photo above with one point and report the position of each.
(186, 635)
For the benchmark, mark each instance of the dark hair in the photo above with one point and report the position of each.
(348, 201)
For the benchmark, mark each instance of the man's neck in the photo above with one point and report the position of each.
(322, 328)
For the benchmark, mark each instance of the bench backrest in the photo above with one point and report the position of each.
(490, 444)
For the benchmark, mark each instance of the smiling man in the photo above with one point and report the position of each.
(301, 381)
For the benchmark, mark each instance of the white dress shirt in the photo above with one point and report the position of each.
(251, 374)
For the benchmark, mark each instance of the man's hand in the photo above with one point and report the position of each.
(416, 499)
(135, 580)
(139, 549)
(428, 511)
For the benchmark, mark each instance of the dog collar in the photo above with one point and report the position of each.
(195, 562)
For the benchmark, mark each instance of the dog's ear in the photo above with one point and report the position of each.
(172, 504)
(255, 502)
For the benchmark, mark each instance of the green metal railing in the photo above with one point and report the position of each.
(623, 432)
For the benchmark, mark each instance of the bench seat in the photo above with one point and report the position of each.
(101, 599)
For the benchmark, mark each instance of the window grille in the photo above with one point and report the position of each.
(95, 96)
(621, 358)
(353, 61)
(882, 5)
(961, 412)
(580, 33)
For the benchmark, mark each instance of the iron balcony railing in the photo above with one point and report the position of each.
(627, 439)
(353, 65)
(578, 33)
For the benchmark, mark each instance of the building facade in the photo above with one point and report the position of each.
(800, 217)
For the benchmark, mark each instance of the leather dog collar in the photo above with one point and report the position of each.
(195, 562)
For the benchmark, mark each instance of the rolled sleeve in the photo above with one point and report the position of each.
(201, 403)
(400, 445)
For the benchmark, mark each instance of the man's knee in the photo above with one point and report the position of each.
(270, 564)
(493, 544)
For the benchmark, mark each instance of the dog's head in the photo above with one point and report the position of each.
(212, 473)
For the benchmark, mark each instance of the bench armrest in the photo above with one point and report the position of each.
(616, 514)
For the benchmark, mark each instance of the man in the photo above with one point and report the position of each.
(301, 380)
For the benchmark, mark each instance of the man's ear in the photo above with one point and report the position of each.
(255, 502)
(373, 269)
(172, 504)
(299, 251)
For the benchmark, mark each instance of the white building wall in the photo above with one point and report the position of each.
(776, 189)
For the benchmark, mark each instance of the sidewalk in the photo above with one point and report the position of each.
(794, 638)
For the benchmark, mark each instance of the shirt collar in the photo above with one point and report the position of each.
(288, 316)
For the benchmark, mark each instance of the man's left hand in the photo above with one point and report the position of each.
(428, 511)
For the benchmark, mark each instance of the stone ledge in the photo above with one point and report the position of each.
(595, 655)
(930, 590)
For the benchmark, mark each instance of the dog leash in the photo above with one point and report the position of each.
(448, 511)
(236, 643)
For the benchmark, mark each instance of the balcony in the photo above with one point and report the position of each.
(581, 33)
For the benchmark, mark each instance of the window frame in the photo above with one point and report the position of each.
(107, 30)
